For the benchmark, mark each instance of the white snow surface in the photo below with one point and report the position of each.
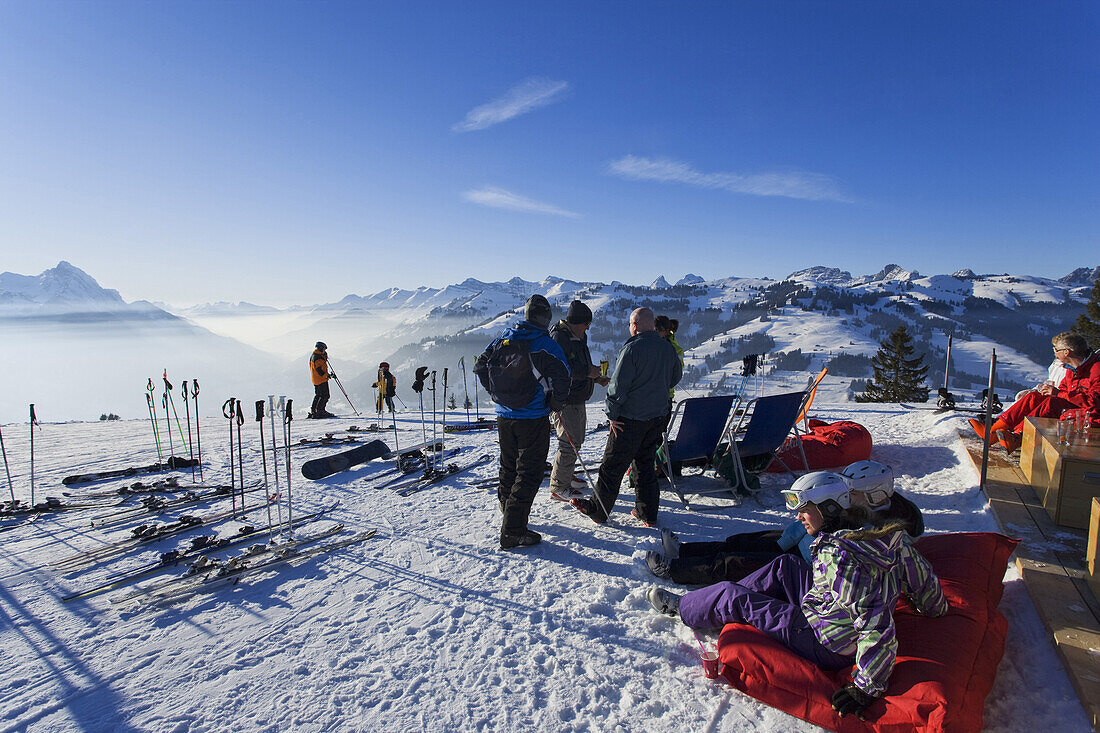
(429, 626)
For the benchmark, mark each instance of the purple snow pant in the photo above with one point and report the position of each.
(769, 600)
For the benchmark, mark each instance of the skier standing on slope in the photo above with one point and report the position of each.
(637, 410)
(387, 387)
(320, 374)
(525, 373)
(571, 423)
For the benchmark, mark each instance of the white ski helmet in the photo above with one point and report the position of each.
(827, 491)
(873, 479)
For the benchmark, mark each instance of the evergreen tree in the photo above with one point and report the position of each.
(1088, 323)
(453, 404)
(898, 378)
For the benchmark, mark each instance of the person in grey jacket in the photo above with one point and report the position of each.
(637, 405)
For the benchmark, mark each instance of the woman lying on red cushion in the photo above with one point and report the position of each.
(835, 612)
(871, 486)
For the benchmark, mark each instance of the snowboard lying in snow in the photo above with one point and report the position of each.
(319, 468)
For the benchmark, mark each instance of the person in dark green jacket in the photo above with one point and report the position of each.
(637, 410)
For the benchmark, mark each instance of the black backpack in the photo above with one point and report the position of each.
(506, 371)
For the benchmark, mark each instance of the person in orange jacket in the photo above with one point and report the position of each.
(320, 374)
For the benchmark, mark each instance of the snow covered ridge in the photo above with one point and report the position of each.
(93, 348)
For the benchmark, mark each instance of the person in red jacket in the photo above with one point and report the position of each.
(1078, 390)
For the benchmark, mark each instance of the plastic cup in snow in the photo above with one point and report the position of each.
(710, 664)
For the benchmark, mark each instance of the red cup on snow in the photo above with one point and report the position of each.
(710, 664)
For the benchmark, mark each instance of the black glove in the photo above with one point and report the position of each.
(851, 699)
(332, 374)
(554, 405)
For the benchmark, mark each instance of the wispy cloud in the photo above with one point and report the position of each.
(528, 95)
(498, 198)
(795, 185)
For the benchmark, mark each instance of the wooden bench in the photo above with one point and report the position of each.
(1051, 561)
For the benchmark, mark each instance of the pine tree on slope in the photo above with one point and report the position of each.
(898, 378)
(1088, 323)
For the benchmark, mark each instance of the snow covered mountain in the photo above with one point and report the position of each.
(82, 350)
(92, 347)
(64, 287)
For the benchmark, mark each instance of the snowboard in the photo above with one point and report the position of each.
(319, 468)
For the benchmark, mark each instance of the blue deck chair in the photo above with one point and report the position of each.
(703, 422)
(770, 420)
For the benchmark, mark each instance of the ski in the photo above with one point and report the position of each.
(140, 535)
(231, 571)
(173, 463)
(201, 545)
(435, 476)
(408, 463)
(18, 514)
(157, 505)
(166, 486)
(327, 440)
(462, 427)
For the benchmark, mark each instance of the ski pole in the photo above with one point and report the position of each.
(34, 421)
(11, 487)
(153, 421)
(172, 402)
(153, 411)
(434, 455)
(240, 451)
(465, 389)
(287, 418)
(477, 406)
(198, 436)
(190, 445)
(263, 454)
(168, 427)
(229, 410)
(274, 451)
(443, 430)
(336, 379)
(595, 493)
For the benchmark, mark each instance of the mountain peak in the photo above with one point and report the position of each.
(822, 274)
(690, 279)
(894, 272)
(1081, 276)
(660, 282)
(964, 274)
(62, 286)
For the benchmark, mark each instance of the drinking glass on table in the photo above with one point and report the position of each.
(1064, 428)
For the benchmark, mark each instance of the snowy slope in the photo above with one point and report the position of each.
(429, 626)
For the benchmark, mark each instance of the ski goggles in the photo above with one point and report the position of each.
(794, 500)
(877, 497)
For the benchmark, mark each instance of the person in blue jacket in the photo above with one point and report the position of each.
(524, 431)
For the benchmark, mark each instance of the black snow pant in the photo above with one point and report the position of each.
(524, 445)
(320, 399)
(703, 563)
(636, 443)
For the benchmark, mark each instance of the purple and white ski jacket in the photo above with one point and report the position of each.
(851, 604)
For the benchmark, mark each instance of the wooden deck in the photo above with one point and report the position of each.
(1051, 560)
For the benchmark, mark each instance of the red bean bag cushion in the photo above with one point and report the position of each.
(945, 666)
(827, 445)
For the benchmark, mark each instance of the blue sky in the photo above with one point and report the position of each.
(295, 152)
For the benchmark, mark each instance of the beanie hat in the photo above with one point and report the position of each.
(537, 311)
(320, 345)
(578, 313)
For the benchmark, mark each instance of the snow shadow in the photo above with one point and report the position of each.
(89, 699)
